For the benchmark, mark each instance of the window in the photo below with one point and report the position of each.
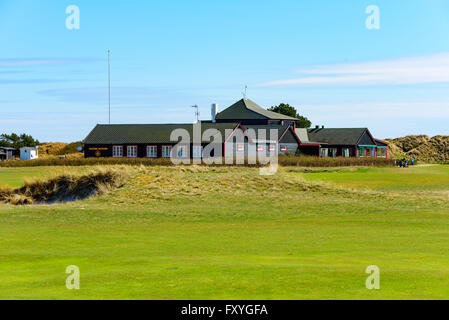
(117, 151)
(260, 148)
(284, 148)
(382, 152)
(333, 152)
(166, 151)
(131, 152)
(368, 152)
(272, 147)
(324, 152)
(241, 147)
(152, 151)
(197, 151)
(182, 151)
(346, 152)
(361, 154)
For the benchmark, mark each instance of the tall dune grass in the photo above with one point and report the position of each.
(66, 187)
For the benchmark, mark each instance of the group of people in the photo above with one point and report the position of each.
(403, 163)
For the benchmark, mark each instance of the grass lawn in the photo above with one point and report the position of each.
(229, 233)
(420, 178)
(15, 177)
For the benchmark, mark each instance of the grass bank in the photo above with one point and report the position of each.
(66, 187)
(229, 233)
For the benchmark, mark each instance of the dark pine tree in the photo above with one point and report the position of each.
(17, 141)
(290, 111)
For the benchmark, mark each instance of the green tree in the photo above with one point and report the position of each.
(290, 111)
(16, 141)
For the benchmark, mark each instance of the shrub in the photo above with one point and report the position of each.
(298, 161)
(310, 161)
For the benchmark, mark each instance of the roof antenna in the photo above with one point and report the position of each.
(197, 113)
(109, 83)
(244, 93)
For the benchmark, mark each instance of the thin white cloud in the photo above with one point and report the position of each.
(417, 70)
(374, 110)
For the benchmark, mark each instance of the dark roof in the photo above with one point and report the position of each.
(382, 143)
(337, 136)
(303, 136)
(147, 133)
(246, 109)
(280, 131)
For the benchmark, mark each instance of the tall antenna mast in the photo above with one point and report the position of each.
(244, 93)
(197, 113)
(109, 83)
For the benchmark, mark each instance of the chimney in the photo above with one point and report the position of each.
(214, 111)
(317, 127)
(322, 127)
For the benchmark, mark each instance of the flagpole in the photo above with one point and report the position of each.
(109, 83)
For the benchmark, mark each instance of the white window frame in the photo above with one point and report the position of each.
(346, 152)
(119, 154)
(164, 149)
(260, 148)
(128, 148)
(331, 154)
(324, 152)
(181, 152)
(283, 148)
(151, 154)
(272, 147)
(240, 147)
(197, 152)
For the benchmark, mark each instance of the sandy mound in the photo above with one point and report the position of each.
(421, 147)
(65, 188)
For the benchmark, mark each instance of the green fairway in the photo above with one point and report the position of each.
(15, 177)
(229, 233)
(432, 177)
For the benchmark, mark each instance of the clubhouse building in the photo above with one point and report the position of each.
(251, 129)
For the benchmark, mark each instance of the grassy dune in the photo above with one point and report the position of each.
(229, 233)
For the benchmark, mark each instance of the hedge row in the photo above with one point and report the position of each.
(298, 161)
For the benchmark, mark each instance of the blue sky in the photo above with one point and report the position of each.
(169, 55)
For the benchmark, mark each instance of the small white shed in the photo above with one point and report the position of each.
(29, 153)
